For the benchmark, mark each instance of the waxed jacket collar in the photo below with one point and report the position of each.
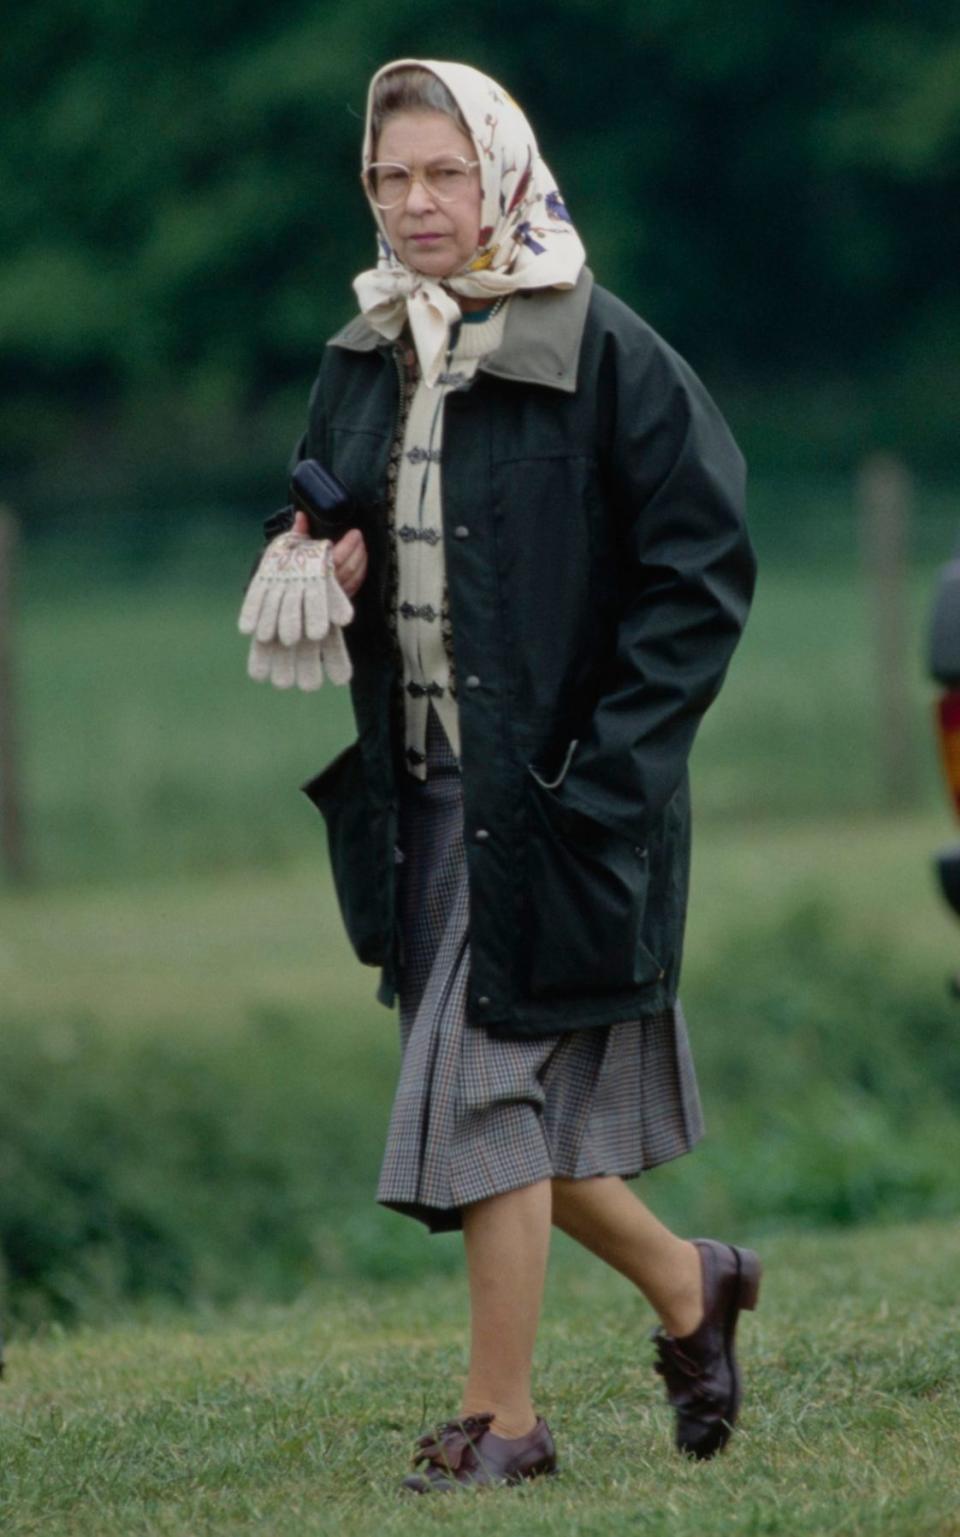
(541, 339)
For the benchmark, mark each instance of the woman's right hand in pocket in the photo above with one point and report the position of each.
(349, 555)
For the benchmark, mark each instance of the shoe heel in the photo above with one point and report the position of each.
(749, 1279)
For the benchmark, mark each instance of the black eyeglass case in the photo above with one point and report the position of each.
(329, 507)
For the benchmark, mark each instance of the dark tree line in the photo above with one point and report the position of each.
(777, 187)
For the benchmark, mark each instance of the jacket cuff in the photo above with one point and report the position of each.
(278, 523)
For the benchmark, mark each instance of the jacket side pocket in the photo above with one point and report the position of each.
(586, 895)
(340, 795)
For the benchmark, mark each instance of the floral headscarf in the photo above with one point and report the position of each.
(527, 239)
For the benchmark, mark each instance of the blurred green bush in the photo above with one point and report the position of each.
(194, 1167)
(178, 1167)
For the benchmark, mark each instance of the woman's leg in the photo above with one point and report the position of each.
(507, 1241)
(606, 1217)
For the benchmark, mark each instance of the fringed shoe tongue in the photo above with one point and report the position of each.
(680, 1372)
(445, 1447)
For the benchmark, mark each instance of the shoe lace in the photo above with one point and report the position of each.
(446, 1445)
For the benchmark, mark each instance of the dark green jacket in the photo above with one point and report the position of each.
(599, 576)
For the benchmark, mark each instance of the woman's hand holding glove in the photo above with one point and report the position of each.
(295, 608)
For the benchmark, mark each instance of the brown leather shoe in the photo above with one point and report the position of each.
(700, 1369)
(466, 1452)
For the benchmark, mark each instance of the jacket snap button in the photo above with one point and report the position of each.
(483, 1002)
(481, 835)
(461, 531)
(473, 681)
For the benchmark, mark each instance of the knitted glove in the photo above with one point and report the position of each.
(303, 664)
(294, 610)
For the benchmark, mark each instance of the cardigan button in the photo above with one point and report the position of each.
(483, 1002)
(473, 681)
(461, 531)
(481, 835)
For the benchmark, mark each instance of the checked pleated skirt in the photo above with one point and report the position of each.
(474, 1116)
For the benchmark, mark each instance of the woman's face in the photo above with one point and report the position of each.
(432, 236)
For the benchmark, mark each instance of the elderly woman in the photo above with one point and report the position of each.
(550, 573)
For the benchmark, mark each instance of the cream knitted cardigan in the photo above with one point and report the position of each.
(418, 536)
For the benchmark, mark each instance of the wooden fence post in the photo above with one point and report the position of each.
(12, 848)
(885, 501)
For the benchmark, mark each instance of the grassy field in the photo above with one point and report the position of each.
(195, 1079)
(147, 751)
(164, 952)
(195, 1076)
(300, 1419)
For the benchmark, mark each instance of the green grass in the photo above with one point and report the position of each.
(147, 751)
(146, 748)
(148, 955)
(195, 1077)
(300, 1419)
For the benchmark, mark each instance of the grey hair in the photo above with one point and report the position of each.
(411, 89)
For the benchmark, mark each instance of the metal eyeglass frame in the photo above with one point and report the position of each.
(415, 175)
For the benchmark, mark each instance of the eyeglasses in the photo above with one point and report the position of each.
(447, 178)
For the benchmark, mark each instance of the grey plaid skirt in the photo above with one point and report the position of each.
(474, 1116)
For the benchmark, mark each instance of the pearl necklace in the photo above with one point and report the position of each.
(494, 309)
